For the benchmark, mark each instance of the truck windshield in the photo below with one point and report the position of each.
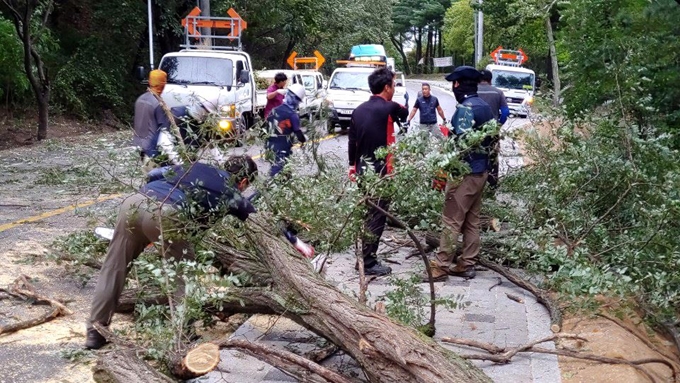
(198, 70)
(350, 80)
(308, 81)
(513, 80)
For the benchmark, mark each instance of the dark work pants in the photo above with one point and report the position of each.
(374, 225)
(282, 147)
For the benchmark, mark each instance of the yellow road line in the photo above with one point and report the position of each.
(52, 213)
(68, 208)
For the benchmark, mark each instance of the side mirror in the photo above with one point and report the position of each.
(325, 84)
(140, 73)
(319, 85)
(244, 78)
(538, 82)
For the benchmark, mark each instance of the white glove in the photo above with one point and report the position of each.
(304, 249)
(282, 91)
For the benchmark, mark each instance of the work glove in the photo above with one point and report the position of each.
(352, 173)
(305, 249)
(282, 91)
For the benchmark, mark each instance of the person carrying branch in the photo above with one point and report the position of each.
(276, 93)
(199, 192)
(152, 134)
(463, 198)
(372, 128)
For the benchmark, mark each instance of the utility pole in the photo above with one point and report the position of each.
(150, 34)
(205, 12)
(479, 35)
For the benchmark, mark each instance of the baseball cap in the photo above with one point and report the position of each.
(463, 72)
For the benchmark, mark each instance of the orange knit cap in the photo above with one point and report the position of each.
(157, 80)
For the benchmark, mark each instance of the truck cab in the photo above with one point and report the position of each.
(347, 89)
(348, 85)
(314, 89)
(218, 83)
(212, 77)
(517, 83)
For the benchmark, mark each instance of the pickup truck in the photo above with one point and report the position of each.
(315, 90)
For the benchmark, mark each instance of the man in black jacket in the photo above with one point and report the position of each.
(372, 128)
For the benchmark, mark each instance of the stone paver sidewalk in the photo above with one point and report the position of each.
(487, 316)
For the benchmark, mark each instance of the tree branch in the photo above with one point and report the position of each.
(433, 305)
(287, 361)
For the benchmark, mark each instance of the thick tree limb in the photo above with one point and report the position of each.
(21, 288)
(123, 366)
(387, 351)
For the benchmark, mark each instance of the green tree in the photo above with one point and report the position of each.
(30, 23)
(624, 50)
(13, 81)
(459, 31)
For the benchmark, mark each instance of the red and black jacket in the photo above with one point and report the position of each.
(371, 128)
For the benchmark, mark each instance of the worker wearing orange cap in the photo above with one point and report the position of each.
(151, 125)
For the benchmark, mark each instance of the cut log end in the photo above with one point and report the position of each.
(202, 359)
(555, 328)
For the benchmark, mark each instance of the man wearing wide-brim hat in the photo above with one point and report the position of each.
(463, 201)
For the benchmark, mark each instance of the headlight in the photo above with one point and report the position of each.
(225, 126)
(229, 109)
(529, 100)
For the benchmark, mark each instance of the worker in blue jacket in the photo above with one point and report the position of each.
(284, 121)
(463, 200)
(198, 191)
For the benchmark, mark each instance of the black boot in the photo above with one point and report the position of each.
(463, 272)
(378, 269)
(94, 340)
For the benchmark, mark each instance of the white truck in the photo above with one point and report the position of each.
(214, 82)
(517, 83)
(348, 86)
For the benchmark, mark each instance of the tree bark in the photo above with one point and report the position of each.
(40, 85)
(387, 351)
(400, 48)
(553, 61)
(123, 366)
(419, 47)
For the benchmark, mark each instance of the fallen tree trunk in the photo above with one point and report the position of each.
(284, 281)
(123, 366)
